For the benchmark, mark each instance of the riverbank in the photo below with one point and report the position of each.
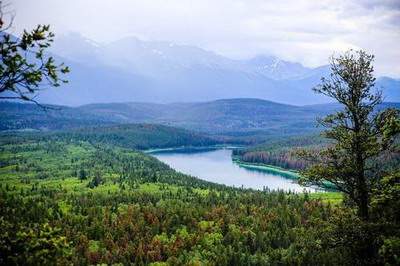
(216, 164)
(332, 197)
(291, 174)
(192, 148)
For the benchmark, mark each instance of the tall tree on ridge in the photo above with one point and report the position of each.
(360, 134)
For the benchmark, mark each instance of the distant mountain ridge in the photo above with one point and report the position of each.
(143, 71)
(230, 118)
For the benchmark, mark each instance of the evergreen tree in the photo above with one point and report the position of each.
(360, 134)
(82, 174)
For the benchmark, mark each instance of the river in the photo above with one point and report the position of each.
(216, 166)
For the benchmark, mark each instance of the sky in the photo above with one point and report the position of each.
(305, 31)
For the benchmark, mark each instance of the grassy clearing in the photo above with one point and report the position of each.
(331, 197)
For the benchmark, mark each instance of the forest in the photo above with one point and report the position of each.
(281, 152)
(133, 136)
(285, 152)
(92, 204)
(85, 203)
(78, 185)
(89, 195)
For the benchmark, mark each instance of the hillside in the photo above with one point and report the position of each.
(138, 136)
(221, 116)
(281, 152)
(240, 119)
(89, 204)
(132, 136)
(17, 116)
(233, 119)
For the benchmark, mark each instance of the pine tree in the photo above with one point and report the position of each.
(82, 174)
(360, 134)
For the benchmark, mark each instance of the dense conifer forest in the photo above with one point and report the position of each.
(91, 204)
(86, 203)
(281, 152)
(134, 136)
(284, 152)
(79, 186)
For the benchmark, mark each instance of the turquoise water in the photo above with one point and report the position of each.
(216, 165)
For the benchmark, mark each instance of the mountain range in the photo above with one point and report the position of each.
(133, 70)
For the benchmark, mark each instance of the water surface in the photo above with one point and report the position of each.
(217, 166)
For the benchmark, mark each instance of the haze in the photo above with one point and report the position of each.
(302, 31)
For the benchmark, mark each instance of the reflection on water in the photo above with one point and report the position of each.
(217, 166)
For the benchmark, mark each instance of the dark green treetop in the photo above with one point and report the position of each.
(360, 134)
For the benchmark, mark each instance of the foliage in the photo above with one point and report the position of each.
(281, 152)
(91, 203)
(25, 68)
(139, 136)
(144, 212)
(134, 136)
(359, 242)
(36, 244)
(360, 135)
(386, 197)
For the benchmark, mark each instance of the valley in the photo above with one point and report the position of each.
(213, 183)
(84, 195)
(215, 133)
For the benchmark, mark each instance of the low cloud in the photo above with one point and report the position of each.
(304, 31)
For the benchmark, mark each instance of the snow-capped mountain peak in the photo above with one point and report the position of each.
(137, 70)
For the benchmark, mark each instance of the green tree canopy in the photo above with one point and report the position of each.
(359, 132)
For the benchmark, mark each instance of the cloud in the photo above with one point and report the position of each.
(301, 30)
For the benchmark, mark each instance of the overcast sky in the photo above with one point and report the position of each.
(304, 31)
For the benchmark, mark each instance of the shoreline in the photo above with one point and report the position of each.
(194, 148)
(271, 169)
(291, 174)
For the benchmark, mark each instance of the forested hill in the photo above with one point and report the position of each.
(228, 117)
(18, 116)
(220, 116)
(132, 136)
(284, 152)
(139, 136)
(238, 119)
(89, 204)
(281, 152)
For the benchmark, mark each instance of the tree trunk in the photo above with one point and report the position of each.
(363, 196)
(363, 202)
(362, 189)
